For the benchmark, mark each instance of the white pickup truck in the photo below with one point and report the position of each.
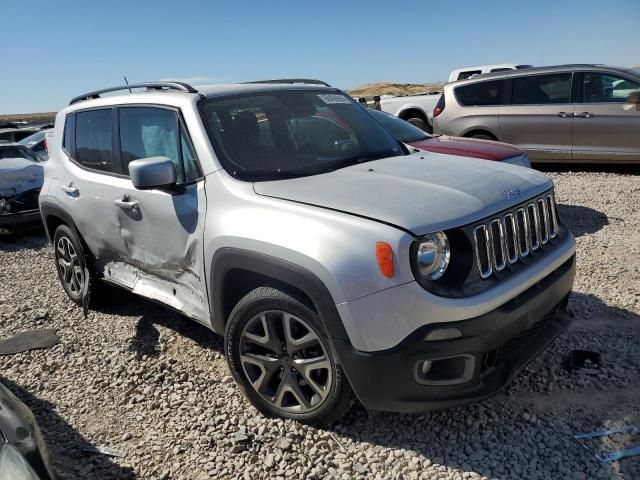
(415, 109)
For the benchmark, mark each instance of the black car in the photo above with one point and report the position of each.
(23, 453)
(21, 177)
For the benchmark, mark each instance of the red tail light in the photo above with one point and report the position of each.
(439, 108)
(44, 144)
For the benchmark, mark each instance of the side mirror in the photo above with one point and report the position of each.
(153, 172)
(634, 98)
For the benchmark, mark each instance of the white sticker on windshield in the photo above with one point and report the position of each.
(330, 98)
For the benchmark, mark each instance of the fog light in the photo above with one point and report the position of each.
(443, 334)
(425, 367)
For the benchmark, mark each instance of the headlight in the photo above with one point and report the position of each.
(432, 255)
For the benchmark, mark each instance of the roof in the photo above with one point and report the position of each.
(180, 89)
(548, 69)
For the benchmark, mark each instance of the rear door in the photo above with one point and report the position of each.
(538, 115)
(164, 229)
(606, 126)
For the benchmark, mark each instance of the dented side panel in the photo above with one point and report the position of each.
(154, 249)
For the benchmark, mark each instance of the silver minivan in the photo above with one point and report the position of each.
(582, 113)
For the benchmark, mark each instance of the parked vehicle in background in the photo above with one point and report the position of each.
(23, 453)
(21, 178)
(415, 109)
(334, 261)
(581, 113)
(468, 72)
(12, 135)
(464, 147)
(37, 143)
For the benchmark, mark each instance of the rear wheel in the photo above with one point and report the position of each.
(483, 136)
(71, 264)
(280, 355)
(420, 123)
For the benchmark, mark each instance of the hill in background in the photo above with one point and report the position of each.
(388, 88)
(47, 117)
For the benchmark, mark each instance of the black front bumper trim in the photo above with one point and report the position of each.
(503, 341)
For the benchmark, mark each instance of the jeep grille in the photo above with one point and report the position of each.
(514, 235)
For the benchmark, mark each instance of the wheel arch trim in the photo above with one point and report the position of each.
(227, 259)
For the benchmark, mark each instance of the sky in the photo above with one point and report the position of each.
(52, 51)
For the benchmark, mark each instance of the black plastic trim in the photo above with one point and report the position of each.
(533, 318)
(227, 259)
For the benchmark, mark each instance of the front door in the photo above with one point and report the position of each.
(606, 126)
(163, 229)
(538, 116)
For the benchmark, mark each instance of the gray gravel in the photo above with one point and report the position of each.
(135, 376)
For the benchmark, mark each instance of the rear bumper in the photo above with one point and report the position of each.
(20, 221)
(494, 346)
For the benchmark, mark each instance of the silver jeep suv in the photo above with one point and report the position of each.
(337, 265)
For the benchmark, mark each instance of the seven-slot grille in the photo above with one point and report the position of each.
(515, 235)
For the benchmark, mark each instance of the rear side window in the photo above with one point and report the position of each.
(542, 89)
(468, 73)
(93, 140)
(484, 93)
(155, 132)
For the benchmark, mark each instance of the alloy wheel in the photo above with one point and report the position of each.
(71, 271)
(285, 361)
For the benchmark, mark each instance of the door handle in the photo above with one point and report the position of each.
(563, 114)
(126, 204)
(584, 115)
(69, 190)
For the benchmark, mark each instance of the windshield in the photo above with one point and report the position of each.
(403, 131)
(17, 151)
(32, 139)
(281, 134)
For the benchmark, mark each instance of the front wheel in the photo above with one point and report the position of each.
(279, 354)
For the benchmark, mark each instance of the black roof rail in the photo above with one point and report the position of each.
(309, 81)
(183, 87)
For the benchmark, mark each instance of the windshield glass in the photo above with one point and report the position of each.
(403, 131)
(15, 151)
(281, 134)
(32, 139)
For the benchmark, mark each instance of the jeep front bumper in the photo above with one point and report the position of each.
(490, 350)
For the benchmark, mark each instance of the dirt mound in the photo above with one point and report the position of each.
(388, 88)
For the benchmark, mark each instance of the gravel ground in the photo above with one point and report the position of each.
(137, 377)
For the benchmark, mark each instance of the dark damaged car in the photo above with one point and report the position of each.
(23, 453)
(21, 178)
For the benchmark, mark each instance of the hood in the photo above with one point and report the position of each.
(420, 193)
(19, 175)
(468, 147)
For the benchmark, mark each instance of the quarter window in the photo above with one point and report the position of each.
(483, 93)
(542, 89)
(604, 88)
(155, 132)
(93, 140)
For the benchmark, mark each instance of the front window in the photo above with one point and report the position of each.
(605, 88)
(281, 134)
(401, 129)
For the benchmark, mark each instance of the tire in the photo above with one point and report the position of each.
(420, 123)
(291, 376)
(71, 265)
(483, 136)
